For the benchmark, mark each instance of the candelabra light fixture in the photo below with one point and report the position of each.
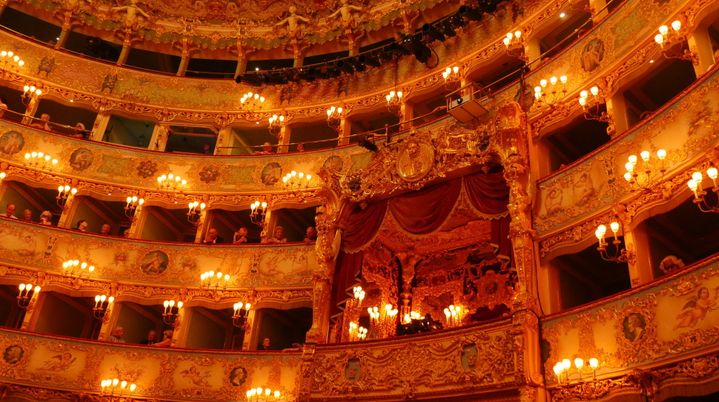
(275, 124)
(614, 251)
(171, 311)
(258, 211)
(548, 92)
(194, 212)
(564, 370)
(383, 319)
(263, 394)
(133, 205)
(412, 315)
(64, 194)
(702, 198)
(642, 171)
(40, 160)
(514, 44)
(672, 40)
(454, 314)
(451, 75)
(77, 268)
(252, 99)
(9, 60)
(240, 312)
(334, 117)
(358, 294)
(212, 279)
(102, 305)
(357, 332)
(27, 294)
(591, 102)
(29, 93)
(295, 181)
(116, 387)
(171, 182)
(394, 102)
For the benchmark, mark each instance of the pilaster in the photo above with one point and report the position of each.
(700, 44)
(160, 134)
(100, 126)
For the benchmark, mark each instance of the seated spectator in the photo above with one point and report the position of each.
(117, 335)
(151, 338)
(240, 236)
(105, 229)
(671, 263)
(277, 237)
(43, 123)
(310, 234)
(27, 215)
(206, 149)
(79, 131)
(266, 149)
(10, 211)
(46, 218)
(166, 339)
(265, 345)
(81, 225)
(3, 106)
(212, 237)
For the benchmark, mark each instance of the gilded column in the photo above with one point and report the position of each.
(224, 143)
(160, 135)
(701, 45)
(617, 110)
(345, 131)
(30, 109)
(100, 126)
(322, 277)
(284, 139)
(126, 45)
(533, 52)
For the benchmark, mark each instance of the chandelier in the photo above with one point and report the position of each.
(548, 92)
(171, 182)
(563, 369)
(454, 314)
(592, 104)
(212, 279)
(263, 394)
(40, 160)
(252, 99)
(77, 268)
(133, 205)
(194, 212)
(258, 211)
(673, 42)
(275, 124)
(30, 92)
(295, 181)
(116, 387)
(643, 174)
(394, 102)
(102, 305)
(10, 61)
(334, 117)
(240, 312)
(27, 295)
(383, 319)
(614, 252)
(64, 194)
(700, 195)
(357, 332)
(514, 44)
(171, 311)
(451, 74)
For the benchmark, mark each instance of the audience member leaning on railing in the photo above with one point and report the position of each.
(44, 122)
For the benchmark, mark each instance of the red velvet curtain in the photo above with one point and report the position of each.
(360, 225)
(488, 193)
(424, 211)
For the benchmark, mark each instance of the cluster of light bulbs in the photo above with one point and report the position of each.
(549, 87)
(72, 267)
(40, 159)
(295, 180)
(375, 314)
(276, 119)
(562, 368)
(512, 37)
(171, 181)
(454, 314)
(695, 182)
(214, 279)
(357, 332)
(451, 74)
(584, 96)
(260, 392)
(114, 384)
(8, 56)
(252, 96)
(359, 293)
(31, 90)
(632, 161)
(664, 32)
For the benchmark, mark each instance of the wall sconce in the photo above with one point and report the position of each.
(359, 294)
(673, 42)
(548, 92)
(258, 211)
(194, 212)
(643, 176)
(40, 160)
(116, 387)
(27, 295)
(384, 319)
(64, 194)
(30, 93)
(252, 100)
(212, 279)
(357, 332)
(334, 117)
(172, 310)
(591, 102)
(514, 44)
(102, 305)
(563, 369)
(451, 75)
(454, 315)
(394, 102)
(263, 394)
(171, 182)
(10, 61)
(700, 199)
(239, 316)
(77, 268)
(295, 181)
(275, 124)
(133, 205)
(617, 253)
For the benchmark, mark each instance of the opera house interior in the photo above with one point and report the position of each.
(359, 200)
